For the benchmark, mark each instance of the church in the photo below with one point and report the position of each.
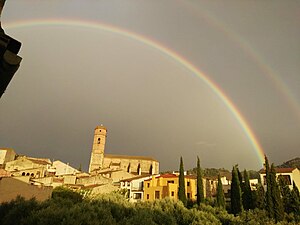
(134, 165)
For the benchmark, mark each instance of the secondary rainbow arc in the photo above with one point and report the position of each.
(272, 75)
(163, 49)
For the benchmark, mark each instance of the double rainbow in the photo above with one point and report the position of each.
(162, 49)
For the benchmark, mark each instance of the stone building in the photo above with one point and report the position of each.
(62, 168)
(28, 166)
(135, 165)
(6, 155)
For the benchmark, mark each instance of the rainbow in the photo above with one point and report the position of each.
(246, 47)
(162, 49)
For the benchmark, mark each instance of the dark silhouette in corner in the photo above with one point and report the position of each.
(9, 59)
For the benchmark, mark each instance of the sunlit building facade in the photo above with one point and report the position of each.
(166, 185)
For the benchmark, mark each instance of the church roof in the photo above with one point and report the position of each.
(129, 157)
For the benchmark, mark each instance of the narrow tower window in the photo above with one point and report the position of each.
(128, 168)
(151, 170)
(139, 170)
(99, 140)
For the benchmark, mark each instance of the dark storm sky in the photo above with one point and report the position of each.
(75, 78)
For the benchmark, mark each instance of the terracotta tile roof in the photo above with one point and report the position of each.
(191, 176)
(168, 175)
(39, 161)
(129, 157)
(4, 173)
(172, 175)
(280, 170)
(135, 178)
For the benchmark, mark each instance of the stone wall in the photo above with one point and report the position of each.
(10, 188)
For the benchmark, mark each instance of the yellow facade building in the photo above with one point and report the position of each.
(166, 185)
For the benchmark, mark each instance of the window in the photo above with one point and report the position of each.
(128, 168)
(99, 140)
(188, 195)
(23, 174)
(139, 171)
(188, 184)
(148, 184)
(170, 181)
(157, 194)
(137, 196)
(286, 178)
(151, 170)
(147, 196)
(172, 193)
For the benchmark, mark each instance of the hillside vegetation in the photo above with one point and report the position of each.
(293, 163)
(71, 208)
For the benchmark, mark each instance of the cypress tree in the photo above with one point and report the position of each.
(295, 202)
(296, 190)
(240, 178)
(268, 198)
(200, 193)
(220, 194)
(286, 194)
(236, 194)
(247, 193)
(276, 198)
(260, 195)
(181, 188)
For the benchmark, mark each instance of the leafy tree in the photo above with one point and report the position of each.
(253, 174)
(16, 211)
(200, 192)
(236, 194)
(63, 193)
(220, 194)
(276, 198)
(181, 188)
(247, 193)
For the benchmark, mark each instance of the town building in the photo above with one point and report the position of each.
(28, 166)
(134, 187)
(6, 155)
(291, 175)
(129, 165)
(62, 168)
(166, 185)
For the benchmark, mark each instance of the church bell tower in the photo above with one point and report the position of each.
(97, 155)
